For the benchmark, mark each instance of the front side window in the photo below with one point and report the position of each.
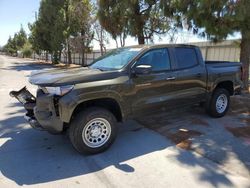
(186, 57)
(158, 59)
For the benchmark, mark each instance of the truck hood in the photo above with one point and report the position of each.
(60, 77)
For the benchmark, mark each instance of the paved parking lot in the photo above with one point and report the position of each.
(185, 150)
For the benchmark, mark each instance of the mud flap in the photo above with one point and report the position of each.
(29, 102)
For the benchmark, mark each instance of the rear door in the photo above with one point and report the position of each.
(190, 82)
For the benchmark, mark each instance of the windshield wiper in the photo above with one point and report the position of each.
(99, 68)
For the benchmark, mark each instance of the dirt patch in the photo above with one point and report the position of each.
(246, 120)
(59, 65)
(240, 131)
(197, 121)
(182, 138)
(240, 104)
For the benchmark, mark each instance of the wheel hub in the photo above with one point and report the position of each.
(221, 103)
(96, 132)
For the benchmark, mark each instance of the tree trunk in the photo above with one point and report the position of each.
(69, 54)
(83, 57)
(55, 57)
(116, 42)
(101, 48)
(101, 42)
(46, 56)
(139, 23)
(122, 40)
(141, 40)
(140, 34)
(83, 47)
(60, 55)
(245, 58)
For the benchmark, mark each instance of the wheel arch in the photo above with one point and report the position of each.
(228, 85)
(107, 103)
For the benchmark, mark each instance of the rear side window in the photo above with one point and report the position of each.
(186, 57)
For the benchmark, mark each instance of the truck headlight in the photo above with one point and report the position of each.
(60, 91)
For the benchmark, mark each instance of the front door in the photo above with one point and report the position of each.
(150, 91)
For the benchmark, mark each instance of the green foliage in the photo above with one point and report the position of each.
(81, 26)
(139, 18)
(20, 38)
(10, 47)
(27, 50)
(58, 21)
(16, 43)
(82, 20)
(111, 17)
(215, 19)
(47, 32)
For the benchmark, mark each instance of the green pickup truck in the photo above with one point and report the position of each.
(126, 83)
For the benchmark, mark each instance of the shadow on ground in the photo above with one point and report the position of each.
(31, 157)
(194, 130)
(27, 66)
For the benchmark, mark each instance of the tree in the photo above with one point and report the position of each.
(10, 47)
(70, 22)
(36, 40)
(81, 25)
(20, 38)
(16, 43)
(47, 31)
(27, 49)
(139, 18)
(215, 19)
(111, 17)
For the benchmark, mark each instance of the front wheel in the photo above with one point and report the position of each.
(219, 103)
(93, 130)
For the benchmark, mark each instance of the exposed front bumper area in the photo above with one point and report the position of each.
(41, 112)
(46, 113)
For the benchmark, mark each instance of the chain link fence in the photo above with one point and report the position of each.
(75, 57)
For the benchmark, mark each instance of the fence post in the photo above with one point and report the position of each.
(85, 59)
(206, 53)
(79, 58)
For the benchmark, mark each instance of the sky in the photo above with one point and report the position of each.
(14, 13)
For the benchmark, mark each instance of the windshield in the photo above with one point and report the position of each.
(116, 59)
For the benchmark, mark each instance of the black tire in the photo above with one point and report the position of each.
(211, 106)
(81, 121)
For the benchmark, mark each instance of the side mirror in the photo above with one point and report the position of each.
(143, 69)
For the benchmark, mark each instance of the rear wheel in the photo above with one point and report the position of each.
(93, 130)
(219, 103)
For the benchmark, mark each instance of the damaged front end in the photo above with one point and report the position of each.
(42, 111)
(29, 103)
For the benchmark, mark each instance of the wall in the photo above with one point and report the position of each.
(224, 51)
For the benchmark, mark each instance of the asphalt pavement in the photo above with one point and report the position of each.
(140, 157)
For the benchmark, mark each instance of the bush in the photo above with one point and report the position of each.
(27, 50)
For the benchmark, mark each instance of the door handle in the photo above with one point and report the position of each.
(170, 78)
